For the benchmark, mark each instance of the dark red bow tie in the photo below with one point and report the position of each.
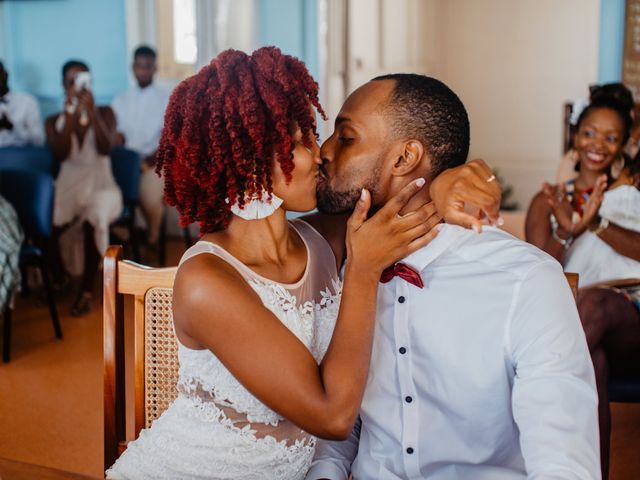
(403, 271)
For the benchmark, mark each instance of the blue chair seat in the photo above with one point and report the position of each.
(38, 159)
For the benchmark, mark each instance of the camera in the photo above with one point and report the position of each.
(82, 81)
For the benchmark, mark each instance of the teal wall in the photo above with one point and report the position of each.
(611, 40)
(39, 36)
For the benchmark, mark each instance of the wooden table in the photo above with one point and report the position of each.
(14, 470)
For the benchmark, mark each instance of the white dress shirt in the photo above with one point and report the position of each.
(140, 116)
(23, 112)
(484, 374)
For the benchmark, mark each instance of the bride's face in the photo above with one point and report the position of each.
(299, 195)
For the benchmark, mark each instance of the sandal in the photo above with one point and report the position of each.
(82, 305)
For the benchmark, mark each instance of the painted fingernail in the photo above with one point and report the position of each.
(500, 221)
(363, 194)
(420, 182)
(475, 228)
(439, 227)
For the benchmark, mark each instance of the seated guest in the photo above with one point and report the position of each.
(479, 368)
(81, 137)
(140, 116)
(592, 226)
(20, 122)
(568, 167)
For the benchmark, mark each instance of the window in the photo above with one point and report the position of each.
(185, 48)
(177, 38)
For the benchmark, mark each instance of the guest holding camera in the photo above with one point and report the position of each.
(20, 122)
(81, 138)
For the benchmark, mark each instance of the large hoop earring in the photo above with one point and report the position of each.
(616, 167)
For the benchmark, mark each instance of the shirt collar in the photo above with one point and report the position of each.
(448, 238)
(146, 89)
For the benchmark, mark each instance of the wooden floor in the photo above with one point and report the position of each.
(51, 395)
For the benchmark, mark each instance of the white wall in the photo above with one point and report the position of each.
(514, 63)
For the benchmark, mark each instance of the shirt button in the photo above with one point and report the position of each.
(401, 299)
(409, 450)
(408, 399)
(402, 350)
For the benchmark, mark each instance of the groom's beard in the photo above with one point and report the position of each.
(334, 201)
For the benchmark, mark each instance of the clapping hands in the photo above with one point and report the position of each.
(562, 209)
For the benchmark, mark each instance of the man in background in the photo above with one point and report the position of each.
(140, 116)
(20, 122)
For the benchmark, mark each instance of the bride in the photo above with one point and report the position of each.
(274, 349)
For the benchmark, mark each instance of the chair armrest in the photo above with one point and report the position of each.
(619, 283)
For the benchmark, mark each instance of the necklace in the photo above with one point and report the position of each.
(577, 197)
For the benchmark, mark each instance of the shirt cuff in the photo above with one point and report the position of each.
(325, 470)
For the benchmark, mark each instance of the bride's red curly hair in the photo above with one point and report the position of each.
(224, 127)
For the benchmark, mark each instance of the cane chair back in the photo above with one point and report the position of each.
(153, 348)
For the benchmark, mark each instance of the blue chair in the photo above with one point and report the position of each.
(33, 158)
(31, 195)
(125, 165)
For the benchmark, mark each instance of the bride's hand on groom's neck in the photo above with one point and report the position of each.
(471, 184)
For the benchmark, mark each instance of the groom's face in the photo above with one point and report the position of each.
(353, 157)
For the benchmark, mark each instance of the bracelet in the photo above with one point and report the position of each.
(565, 242)
(602, 226)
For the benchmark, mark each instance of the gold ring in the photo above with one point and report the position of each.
(491, 178)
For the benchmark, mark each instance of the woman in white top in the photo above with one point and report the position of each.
(592, 225)
(81, 138)
(274, 349)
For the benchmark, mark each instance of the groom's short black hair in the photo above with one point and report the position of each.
(427, 110)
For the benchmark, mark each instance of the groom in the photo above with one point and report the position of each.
(480, 368)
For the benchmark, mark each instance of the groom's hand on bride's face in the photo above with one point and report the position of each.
(472, 184)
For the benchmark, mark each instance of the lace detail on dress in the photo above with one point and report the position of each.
(311, 322)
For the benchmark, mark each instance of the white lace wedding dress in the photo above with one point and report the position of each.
(216, 429)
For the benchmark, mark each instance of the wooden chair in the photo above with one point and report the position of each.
(152, 347)
(573, 279)
(568, 130)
